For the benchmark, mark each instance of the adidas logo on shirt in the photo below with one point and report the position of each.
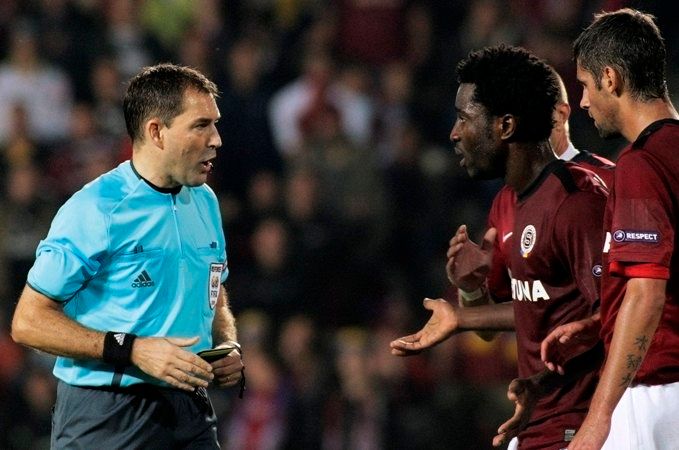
(143, 280)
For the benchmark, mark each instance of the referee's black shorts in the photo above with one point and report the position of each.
(138, 417)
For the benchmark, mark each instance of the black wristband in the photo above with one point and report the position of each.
(118, 348)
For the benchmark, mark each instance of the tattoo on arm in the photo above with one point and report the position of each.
(633, 362)
(641, 343)
(627, 379)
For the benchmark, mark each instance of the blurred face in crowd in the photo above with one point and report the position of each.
(473, 137)
(599, 104)
(191, 141)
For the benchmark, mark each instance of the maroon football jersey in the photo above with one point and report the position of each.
(555, 268)
(597, 164)
(641, 220)
(501, 216)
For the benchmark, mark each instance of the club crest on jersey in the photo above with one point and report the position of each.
(647, 237)
(528, 237)
(213, 286)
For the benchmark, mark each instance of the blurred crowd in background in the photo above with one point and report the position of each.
(338, 186)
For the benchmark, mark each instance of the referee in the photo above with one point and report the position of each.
(127, 286)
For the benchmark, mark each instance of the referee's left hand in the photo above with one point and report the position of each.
(227, 370)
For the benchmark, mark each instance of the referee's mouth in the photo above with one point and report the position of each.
(207, 164)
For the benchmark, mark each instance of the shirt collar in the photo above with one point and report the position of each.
(570, 153)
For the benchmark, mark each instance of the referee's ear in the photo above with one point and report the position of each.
(153, 132)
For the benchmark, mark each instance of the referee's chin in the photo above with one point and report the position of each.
(196, 182)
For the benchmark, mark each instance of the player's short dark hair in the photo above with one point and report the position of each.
(510, 80)
(630, 42)
(158, 91)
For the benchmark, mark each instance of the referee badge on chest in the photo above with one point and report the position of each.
(528, 237)
(213, 286)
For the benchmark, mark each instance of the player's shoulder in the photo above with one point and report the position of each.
(654, 149)
(505, 195)
(503, 205)
(601, 166)
(584, 198)
(575, 178)
(593, 160)
(657, 135)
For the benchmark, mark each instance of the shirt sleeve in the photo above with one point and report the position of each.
(71, 253)
(579, 234)
(641, 228)
(653, 271)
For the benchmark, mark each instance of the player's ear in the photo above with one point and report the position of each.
(507, 124)
(562, 112)
(611, 81)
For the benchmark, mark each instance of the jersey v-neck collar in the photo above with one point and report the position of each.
(546, 171)
(650, 129)
(172, 190)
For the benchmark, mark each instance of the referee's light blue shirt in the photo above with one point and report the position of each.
(123, 256)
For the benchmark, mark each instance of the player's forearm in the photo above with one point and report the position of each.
(492, 317)
(40, 323)
(635, 326)
(224, 324)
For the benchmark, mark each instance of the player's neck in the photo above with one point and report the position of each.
(525, 163)
(636, 116)
(560, 143)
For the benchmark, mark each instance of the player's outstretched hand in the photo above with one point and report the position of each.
(166, 360)
(468, 263)
(441, 325)
(568, 341)
(228, 370)
(524, 393)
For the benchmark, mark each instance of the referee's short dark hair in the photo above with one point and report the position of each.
(158, 91)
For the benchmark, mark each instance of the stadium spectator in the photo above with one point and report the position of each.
(42, 89)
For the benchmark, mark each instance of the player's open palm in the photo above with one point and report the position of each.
(525, 394)
(166, 360)
(568, 341)
(441, 325)
(468, 263)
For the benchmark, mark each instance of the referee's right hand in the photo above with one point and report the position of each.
(166, 360)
